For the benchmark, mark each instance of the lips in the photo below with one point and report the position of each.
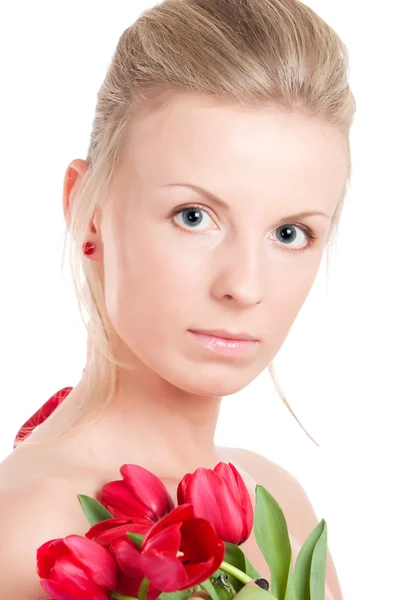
(238, 336)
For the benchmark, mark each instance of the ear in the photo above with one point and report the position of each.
(73, 175)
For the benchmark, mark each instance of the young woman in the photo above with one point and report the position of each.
(214, 181)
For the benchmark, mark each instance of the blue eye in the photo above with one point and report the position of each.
(193, 216)
(287, 234)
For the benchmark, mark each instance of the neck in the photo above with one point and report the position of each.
(152, 423)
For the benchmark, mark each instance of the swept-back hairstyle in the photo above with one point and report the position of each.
(254, 52)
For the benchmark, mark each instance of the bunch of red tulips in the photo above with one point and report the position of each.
(141, 546)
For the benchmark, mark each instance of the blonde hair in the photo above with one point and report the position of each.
(254, 52)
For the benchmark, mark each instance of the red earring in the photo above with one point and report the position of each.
(89, 248)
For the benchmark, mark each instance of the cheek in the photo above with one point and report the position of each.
(293, 285)
(150, 289)
(289, 290)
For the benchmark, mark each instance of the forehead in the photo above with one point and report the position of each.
(227, 147)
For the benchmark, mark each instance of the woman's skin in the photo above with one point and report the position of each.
(227, 268)
(164, 276)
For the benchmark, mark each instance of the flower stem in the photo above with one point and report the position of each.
(144, 586)
(228, 568)
(121, 597)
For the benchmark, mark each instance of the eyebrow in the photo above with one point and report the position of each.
(223, 204)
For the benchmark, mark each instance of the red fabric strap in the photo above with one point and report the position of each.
(42, 414)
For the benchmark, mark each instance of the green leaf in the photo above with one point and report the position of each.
(94, 511)
(309, 570)
(180, 595)
(236, 557)
(291, 588)
(318, 566)
(235, 583)
(210, 589)
(271, 533)
(254, 592)
(137, 538)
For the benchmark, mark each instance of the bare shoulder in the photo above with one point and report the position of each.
(31, 515)
(292, 498)
(285, 488)
(262, 470)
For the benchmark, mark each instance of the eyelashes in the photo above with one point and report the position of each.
(195, 209)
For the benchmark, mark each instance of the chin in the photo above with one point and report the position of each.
(202, 385)
(205, 378)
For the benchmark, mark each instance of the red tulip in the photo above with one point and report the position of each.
(74, 568)
(178, 552)
(129, 586)
(221, 496)
(105, 532)
(140, 495)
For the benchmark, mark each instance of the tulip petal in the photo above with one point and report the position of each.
(203, 551)
(226, 472)
(198, 540)
(148, 489)
(68, 592)
(184, 512)
(246, 504)
(46, 555)
(105, 532)
(242, 497)
(127, 556)
(203, 554)
(159, 560)
(118, 499)
(67, 570)
(197, 573)
(166, 542)
(213, 500)
(178, 552)
(200, 551)
(182, 488)
(180, 513)
(95, 560)
(129, 586)
(167, 573)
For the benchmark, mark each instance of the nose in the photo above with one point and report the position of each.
(240, 274)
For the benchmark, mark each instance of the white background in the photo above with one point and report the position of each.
(338, 367)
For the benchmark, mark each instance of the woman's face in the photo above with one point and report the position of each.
(176, 259)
